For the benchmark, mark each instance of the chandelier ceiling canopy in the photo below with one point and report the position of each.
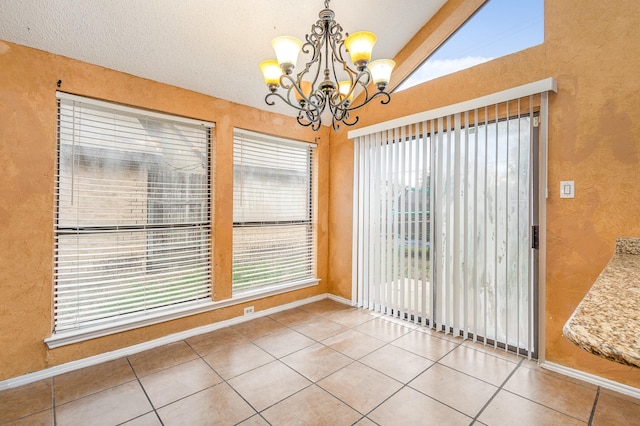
(327, 81)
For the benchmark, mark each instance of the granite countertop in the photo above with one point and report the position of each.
(607, 321)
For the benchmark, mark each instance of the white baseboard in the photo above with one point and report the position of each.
(593, 379)
(47, 373)
(340, 299)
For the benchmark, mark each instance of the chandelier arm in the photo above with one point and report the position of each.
(386, 99)
(314, 40)
(285, 100)
(315, 124)
(311, 103)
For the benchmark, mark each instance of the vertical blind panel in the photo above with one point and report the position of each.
(466, 267)
(273, 212)
(393, 199)
(133, 215)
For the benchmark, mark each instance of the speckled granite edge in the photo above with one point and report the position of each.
(607, 321)
(627, 245)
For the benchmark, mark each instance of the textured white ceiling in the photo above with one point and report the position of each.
(209, 46)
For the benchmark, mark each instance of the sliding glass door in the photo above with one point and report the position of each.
(444, 215)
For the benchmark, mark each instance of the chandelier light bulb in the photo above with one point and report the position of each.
(360, 45)
(381, 72)
(343, 88)
(271, 72)
(287, 50)
(305, 87)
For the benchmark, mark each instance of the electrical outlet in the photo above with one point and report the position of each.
(248, 310)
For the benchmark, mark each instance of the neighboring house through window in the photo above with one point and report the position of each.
(273, 213)
(133, 225)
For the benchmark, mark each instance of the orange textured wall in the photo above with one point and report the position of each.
(27, 156)
(594, 138)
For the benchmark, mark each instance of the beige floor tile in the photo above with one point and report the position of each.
(317, 361)
(96, 378)
(214, 341)
(395, 362)
(359, 386)
(352, 317)
(400, 321)
(491, 350)
(256, 420)
(291, 317)
(533, 365)
(353, 343)
(561, 395)
(25, 400)
(425, 345)
(171, 384)
(284, 342)
(611, 410)
(153, 360)
(149, 419)
(43, 418)
(324, 307)
(365, 422)
(384, 330)
(478, 364)
(319, 328)
(311, 406)
(619, 395)
(258, 328)
(237, 359)
(268, 385)
(218, 405)
(409, 407)
(510, 409)
(108, 407)
(441, 334)
(455, 389)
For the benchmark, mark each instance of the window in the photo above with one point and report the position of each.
(499, 28)
(273, 213)
(132, 227)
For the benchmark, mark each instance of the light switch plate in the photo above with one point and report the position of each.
(567, 189)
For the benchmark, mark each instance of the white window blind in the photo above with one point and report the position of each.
(132, 226)
(273, 212)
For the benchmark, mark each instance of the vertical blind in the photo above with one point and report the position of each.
(273, 212)
(443, 210)
(393, 227)
(483, 180)
(132, 226)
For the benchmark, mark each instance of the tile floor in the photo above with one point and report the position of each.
(320, 364)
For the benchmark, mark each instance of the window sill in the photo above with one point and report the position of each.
(69, 337)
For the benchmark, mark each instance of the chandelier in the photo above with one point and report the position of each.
(326, 81)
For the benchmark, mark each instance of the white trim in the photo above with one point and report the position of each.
(76, 336)
(263, 137)
(540, 86)
(543, 179)
(593, 379)
(132, 110)
(47, 373)
(340, 299)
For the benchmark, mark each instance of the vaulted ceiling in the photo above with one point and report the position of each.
(209, 46)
